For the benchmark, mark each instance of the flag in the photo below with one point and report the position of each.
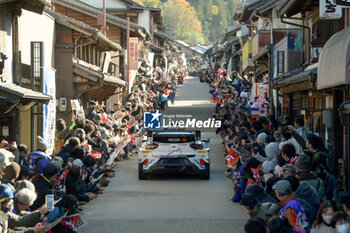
(131, 123)
(231, 159)
(250, 181)
(74, 222)
(96, 154)
(61, 178)
(232, 152)
(224, 148)
(258, 112)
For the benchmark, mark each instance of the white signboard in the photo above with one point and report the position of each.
(330, 10)
(343, 2)
(49, 115)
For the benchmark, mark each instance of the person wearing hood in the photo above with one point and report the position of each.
(271, 150)
(260, 194)
(41, 165)
(255, 208)
(304, 168)
(267, 168)
(323, 221)
(307, 195)
(91, 111)
(40, 152)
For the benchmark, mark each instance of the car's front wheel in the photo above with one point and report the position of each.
(142, 175)
(206, 174)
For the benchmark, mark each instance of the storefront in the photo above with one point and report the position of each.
(334, 77)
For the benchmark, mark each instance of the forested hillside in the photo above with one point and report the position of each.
(195, 21)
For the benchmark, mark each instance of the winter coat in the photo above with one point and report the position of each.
(271, 151)
(35, 155)
(65, 152)
(76, 188)
(322, 228)
(298, 148)
(315, 182)
(30, 219)
(43, 187)
(267, 210)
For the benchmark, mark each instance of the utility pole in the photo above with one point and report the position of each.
(128, 54)
(104, 19)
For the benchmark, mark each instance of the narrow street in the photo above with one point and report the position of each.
(170, 203)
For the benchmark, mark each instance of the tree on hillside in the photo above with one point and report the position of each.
(181, 21)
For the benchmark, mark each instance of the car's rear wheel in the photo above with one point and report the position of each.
(206, 174)
(142, 175)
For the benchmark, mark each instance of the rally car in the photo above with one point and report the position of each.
(175, 151)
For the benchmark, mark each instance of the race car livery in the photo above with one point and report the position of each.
(174, 152)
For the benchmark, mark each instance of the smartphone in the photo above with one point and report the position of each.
(49, 199)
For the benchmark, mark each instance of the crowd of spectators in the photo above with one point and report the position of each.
(279, 168)
(86, 154)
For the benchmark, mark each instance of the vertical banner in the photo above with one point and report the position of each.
(49, 114)
(134, 57)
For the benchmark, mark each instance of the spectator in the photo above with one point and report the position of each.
(344, 199)
(288, 154)
(256, 209)
(340, 222)
(292, 208)
(255, 225)
(280, 225)
(44, 185)
(323, 221)
(300, 129)
(23, 153)
(303, 168)
(40, 152)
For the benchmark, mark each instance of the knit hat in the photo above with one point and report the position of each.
(268, 167)
(249, 200)
(42, 144)
(5, 157)
(12, 171)
(6, 192)
(271, 150)
(261, 138)
(283, 187)
(303, 163)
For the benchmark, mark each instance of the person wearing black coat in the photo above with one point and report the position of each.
(44, 185)
(76, 186)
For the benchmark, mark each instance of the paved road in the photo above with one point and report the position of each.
(170, 204)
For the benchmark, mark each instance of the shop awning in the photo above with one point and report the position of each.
(14, 93)
(305, 75)
(111, 80)
(334, 62)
